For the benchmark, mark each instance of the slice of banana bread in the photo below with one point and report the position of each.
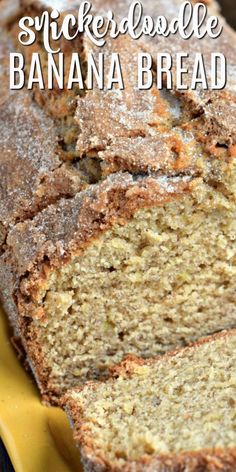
(175, 413)
(142, 258)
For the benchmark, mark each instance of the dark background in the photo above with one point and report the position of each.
(229, 11)
(5, 464)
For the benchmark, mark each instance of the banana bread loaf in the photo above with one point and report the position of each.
(119, 237)
(172, 414)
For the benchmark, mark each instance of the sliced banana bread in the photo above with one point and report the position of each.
(171, 414)
(141, 257)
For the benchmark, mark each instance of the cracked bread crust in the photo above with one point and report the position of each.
(104, 116)
(204, 460)
(32, 174)
(110, 121)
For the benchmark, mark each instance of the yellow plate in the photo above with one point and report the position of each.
(37, 438)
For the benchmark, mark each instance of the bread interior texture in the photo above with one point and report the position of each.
(185, 403)
(165, 278)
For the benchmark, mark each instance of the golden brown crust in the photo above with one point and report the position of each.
(202, 461)
(207, 460)
(106, 115)
(32, 174)
(110, 120)
(100, 113)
